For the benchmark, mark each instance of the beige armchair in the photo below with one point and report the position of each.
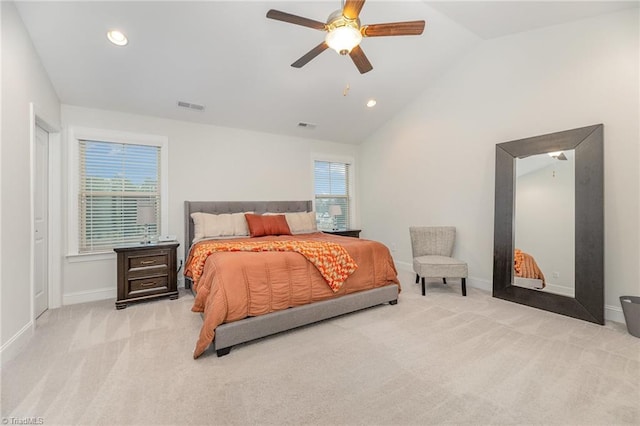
(432, 248)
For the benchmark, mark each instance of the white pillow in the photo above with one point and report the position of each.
(300, 223)
(207, 225)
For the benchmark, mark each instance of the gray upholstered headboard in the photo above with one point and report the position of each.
(218, 207)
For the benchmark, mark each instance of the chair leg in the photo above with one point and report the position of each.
(444, 280)
(417, 278)
(424, 287)
(464, 286)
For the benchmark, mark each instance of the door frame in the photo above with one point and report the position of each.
(54, 209)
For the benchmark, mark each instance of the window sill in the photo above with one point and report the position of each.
(90, 257)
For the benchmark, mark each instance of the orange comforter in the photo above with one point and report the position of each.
(332, 260)
(525, 266)
(237, 285)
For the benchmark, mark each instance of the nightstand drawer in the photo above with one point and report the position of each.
(148, 284)
(148, 261)
(150, 272)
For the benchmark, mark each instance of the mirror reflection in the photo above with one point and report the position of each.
(544, 222)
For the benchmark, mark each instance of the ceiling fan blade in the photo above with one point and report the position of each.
(310, 55)
(294, 19)
(352, 8)
(393, 29)
(360, 59)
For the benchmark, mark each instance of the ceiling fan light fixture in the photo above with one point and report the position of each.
(344, 38)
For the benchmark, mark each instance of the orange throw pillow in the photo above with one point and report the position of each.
(267, 225)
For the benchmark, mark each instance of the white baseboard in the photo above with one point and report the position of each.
(15, 344)
(89, 296)
(480, 283)
(614, 313)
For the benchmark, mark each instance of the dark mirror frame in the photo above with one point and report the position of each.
(588, 303)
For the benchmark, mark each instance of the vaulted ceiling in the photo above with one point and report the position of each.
(228, 57)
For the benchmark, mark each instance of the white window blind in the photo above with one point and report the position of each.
(115, 180)
(331, 181)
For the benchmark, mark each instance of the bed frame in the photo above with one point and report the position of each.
(230, 334)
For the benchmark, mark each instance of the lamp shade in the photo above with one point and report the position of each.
(335, 210)
(146, 215)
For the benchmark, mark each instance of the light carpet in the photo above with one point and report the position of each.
(437, 359)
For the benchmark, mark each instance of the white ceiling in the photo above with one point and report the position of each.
(230, 58)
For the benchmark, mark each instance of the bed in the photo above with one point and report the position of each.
(526, 272)
(226, 277)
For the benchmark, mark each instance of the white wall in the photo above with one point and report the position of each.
(433, 164)
(24, 81)
(205, 163)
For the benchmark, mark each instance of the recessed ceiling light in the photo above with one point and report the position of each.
(117, 37)
(371, 103)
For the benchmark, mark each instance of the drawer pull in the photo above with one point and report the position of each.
(149, 284)
(147, 262)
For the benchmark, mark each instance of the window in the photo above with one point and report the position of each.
(117, 189)
(331, 182)
(116, 179)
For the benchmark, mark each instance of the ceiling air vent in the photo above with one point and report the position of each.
(188, 105)
(309, 126)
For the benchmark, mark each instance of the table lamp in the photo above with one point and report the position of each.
(146, 216)
(335, 210)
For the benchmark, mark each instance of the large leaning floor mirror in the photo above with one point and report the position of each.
(549, 223)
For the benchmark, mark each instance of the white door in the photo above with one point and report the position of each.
(41, 206)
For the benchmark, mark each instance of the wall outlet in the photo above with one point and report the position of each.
(394, 246)
(556, 274)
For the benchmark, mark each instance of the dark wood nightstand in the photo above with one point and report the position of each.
(146, 271)
(355, 233)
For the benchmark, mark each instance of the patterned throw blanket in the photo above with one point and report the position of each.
(331, 259)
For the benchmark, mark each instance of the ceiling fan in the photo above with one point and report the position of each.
(344, 32)
(558, 155)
